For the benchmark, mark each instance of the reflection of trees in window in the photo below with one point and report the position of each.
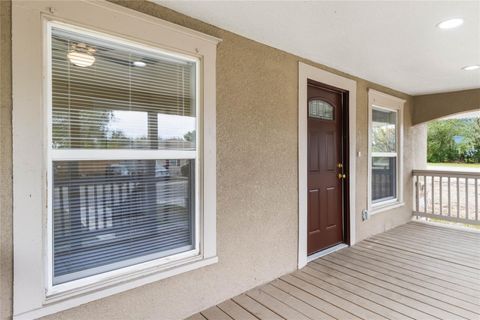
(384, 131)
(83, 129)
(87, 101)
(189, 136)
(111, 213)
(383, 139)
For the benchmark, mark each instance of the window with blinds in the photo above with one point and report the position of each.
(123, 149)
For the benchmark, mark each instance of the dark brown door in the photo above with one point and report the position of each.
(325, 167)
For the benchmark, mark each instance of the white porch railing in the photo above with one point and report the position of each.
(447, 195)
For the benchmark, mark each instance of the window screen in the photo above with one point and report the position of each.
(110, 212)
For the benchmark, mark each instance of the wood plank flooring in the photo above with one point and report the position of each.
(415, 271)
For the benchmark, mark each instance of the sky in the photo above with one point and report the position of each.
(134, 124)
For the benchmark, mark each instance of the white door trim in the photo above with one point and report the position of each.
(306, 72)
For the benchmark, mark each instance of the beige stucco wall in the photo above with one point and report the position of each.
(5, 162)
(433, 106)
(420, 146)
(257, 197)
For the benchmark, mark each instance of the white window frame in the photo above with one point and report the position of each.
(381, 101)
(34, 294)
(114, 154)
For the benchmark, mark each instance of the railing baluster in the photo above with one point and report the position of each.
(433, 194)
(466, 198)
(476, 199)
(449, 202)
(417, 207)
(441, 211)
(425, 194)
(458, 198)
(96, 206)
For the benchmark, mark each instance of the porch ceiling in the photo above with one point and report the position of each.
(396, 44)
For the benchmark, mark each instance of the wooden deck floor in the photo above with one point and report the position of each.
(415, 271)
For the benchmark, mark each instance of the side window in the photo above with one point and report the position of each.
(385, 156)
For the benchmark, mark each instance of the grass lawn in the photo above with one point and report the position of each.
(456, 165)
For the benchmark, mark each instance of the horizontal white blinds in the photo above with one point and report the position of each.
(111, 208)
(128, 98)
(111, 214)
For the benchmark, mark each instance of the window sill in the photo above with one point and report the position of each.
(53, 304)
(385, 207)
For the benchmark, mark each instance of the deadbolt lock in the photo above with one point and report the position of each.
(340, 165)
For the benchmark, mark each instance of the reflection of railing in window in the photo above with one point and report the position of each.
(93, 214)
(383, 184)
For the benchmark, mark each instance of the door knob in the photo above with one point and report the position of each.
(341, 176)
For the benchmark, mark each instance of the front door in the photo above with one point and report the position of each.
(325, 167)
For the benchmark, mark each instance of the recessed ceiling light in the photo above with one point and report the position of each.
(471, 68)
(139, 64)
(450, 23)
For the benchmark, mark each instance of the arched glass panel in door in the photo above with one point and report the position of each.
(320, 109)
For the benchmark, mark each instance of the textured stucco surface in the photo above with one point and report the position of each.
(5, 161)
(257, 198)
(433, 106)
(420, 146)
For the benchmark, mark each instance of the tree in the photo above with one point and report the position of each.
(454, 140)
(471, 146)
(189, 136)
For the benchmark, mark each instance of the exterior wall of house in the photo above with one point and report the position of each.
(420, 147)
(433, 106)
(6, 247)
(257, 194)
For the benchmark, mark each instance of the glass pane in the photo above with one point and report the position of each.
(112, 214)
(384, 180)
(320, 109)
(384, 133)
(114, 96)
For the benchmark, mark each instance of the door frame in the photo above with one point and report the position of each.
(306, 72)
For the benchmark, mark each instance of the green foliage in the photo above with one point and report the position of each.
(454, 140)
(189, 136)
(384, 139)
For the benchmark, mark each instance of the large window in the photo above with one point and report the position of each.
(385, 150)
(114, 152)
(114, 209)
